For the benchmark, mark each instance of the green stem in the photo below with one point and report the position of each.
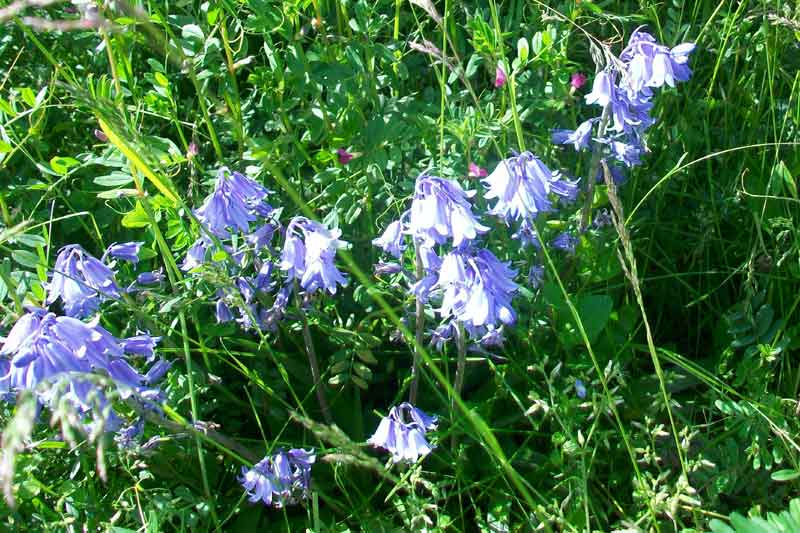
(314, 364)
(419, 328)
(594, 166)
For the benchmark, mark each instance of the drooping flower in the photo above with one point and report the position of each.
(308, 254)
(565, 241)
(234, 204)
(650, 64)
(81, 281)
(477, 289)
(150, 278)
(391, 241)
(402, 433)
(196, 255)
(536, 276)
(602, 89)
(440, 211)
(579, 137)
(280, 479)
(499, 76)
(522, 185)
(42, 346)
(580, 389)
(142, 344)
(127, 251)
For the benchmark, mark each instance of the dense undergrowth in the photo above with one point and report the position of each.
(649, 381)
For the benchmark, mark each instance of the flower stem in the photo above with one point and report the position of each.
(312, 362)
(419, 330)
(594, 166)
(461, 367)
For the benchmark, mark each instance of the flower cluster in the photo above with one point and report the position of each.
(474, 287)
(239, 226)
(402, 433)
(81, 282)
(625, 90)
(43, 347)
(280, 479)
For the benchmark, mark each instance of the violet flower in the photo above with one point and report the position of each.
(280, 479)
(402, 433)
(565, 241)
(127, 251)
(234, 204)
(579, 137)
(81, 281)
(308, 254)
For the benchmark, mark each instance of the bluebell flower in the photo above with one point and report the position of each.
(222, 312)
(522, 185)
(565, 241)
(81, 281)
(477, 289)
(236, 202)
(196, 255)
(127, 436)
(150, 278)
(142, 345)
(42, 347)
(627, 153)
(127, 251)
(442, 334)
(402, 433)
(579, 137)
(580, 389)
(280, 479)
(262, 236)
(617, 175)
(311, 258)
(536, 276)
(384, 269)
(650, 64)
(526, 235)
(391, 241)
(441, 211)
(493, 338)
(602, 89)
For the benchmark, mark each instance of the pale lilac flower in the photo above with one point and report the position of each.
(579, 137)
(526, 235)
(477, 289)
(402, 433)
(196, 255)
(280, 479)
(311, 258)
(127, 251)
(127, 436)
(101, 136)
(493, 338)
(234, 204)
(392, 241)
(629, 154)
(442, 335)
(522, 185)
(580, 389)
(602, 89)
(565, 241)
(384, 269)
(222, 312)
(536, 276)
(577, 80)
(499, 77)
(81, 281)
(150, 278)
(440, 211)
(142, 344)
(343, 156)
(477, 172)
(650, 64)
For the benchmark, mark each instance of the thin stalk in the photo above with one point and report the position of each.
(594, 166)
(461, 367)
(419, 330)
(314, 364)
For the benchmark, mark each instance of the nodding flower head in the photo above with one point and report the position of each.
(81, 281)
(441, 211)
(236, 202)
(280, 479)
(309, 252)
(522, 185)
(402, 433)
(650, 64)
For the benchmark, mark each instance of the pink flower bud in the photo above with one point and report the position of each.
(577, 80)
(102, 137)
(477, 172)
(499, 77)
(344, 156)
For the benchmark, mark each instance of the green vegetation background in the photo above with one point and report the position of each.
(261, 85)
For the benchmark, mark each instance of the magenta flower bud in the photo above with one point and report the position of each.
(344, 156)
(577, 80)
(499, 77)
(477, 172)
(102, 137)
(192, 150)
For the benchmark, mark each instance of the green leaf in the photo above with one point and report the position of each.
(115, 179)
(136, 218)
(61, 165)
(25, 258)
(785, 475)
(5, 147)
